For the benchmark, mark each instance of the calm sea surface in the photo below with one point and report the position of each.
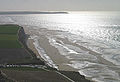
(97, 31)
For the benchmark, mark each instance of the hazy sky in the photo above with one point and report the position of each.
(59, 5)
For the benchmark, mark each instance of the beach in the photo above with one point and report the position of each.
(59, 60)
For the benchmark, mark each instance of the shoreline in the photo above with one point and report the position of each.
(55, 56)
(56, 64)
(32, 50)
(94, 57)
(31, 44)
(49, 49)
(53, 52)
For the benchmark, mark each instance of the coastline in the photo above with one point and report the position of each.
(57, 60)
(91, 55)
(30, 47)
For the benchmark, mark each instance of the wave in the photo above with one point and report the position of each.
(42, 53)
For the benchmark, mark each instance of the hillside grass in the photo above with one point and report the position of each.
(13, 50)
(9, 29)
(9, 37)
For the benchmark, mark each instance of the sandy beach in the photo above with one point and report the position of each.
(59, 60)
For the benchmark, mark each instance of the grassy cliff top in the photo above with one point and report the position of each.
(9, 37)
(9, 29)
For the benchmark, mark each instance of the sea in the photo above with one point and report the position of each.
(95, 35)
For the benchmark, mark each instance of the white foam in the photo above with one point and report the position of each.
(80, 64)
(83, 56)
(101, 74)
(42, 53)
(98, 72)
(63, 49)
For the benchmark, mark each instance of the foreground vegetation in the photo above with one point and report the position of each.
(9, 29)
(9, 37)
(13, 48)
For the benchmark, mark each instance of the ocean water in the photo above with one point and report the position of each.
(94, 40)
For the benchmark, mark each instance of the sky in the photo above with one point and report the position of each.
(59, 5)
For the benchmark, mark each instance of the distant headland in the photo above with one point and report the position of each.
(30, 12)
